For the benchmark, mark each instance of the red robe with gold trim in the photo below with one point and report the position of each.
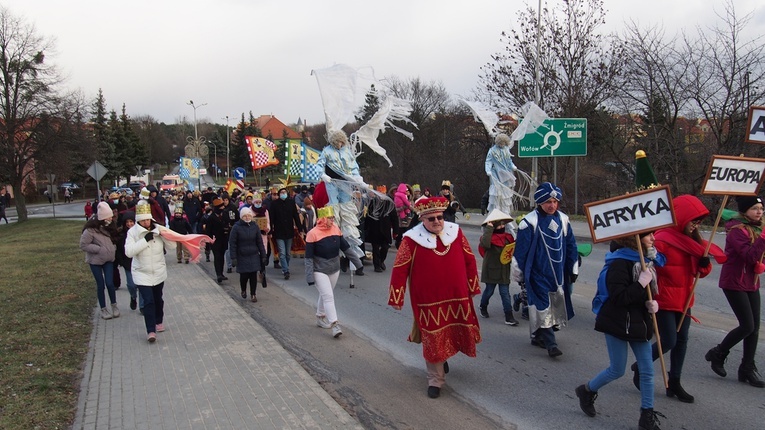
(442, 279)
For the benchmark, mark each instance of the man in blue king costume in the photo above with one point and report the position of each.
(546, 254)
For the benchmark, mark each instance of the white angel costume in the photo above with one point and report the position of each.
(342, 88)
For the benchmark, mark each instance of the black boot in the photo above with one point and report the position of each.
(635, 375)
(717, 357)
(675, 389)
(586, 399)
(649, 419)
(748, 373)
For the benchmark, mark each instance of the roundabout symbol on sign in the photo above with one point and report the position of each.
(552, 134)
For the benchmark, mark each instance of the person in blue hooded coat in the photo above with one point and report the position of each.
(546, 253)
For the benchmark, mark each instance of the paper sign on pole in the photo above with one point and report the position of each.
(630, 214)
(755, 128)
(734, 176)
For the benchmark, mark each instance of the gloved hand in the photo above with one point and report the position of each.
(704, 262)
(645, 277)
(149, 236)
(263, 263)
(233, 262)
(652, 306)
(311, 283)
(650, 253)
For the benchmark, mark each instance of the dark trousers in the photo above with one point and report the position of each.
(672, 340)
(746, 307)
(252, 277)
(379, 252)
(218, 259)
(153, 306)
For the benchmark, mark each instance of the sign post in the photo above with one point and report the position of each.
(97, 171)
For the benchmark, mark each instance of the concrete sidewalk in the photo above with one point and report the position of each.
(213, 368)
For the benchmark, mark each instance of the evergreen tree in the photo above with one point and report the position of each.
(135, 149)
(371, 106)
(104, 147)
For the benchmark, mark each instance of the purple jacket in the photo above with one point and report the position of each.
(737, 273)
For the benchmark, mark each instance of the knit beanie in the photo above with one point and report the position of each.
(746, 202)
(104, 211)
(145, 194)
(246, 211)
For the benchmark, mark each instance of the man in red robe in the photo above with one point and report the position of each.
(436, 259)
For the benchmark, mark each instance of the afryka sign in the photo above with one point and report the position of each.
(734, 176)
(630, 214)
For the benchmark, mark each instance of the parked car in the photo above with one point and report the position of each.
(71, 185)
(135, 186)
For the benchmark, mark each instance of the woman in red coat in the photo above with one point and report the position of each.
(684, 249)
(436, 259)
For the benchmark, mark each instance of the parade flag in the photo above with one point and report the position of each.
(311, 171)
(189, 168)
(295, 159)
(230, 186)
(262, 152)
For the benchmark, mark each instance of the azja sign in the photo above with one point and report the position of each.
(630, 214)
(756, 125)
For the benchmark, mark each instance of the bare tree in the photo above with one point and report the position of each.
(579, 70)
(725, 76)
(28, 102)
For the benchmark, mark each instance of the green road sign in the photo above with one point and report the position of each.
(556, 137)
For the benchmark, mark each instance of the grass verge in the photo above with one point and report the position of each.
(47, 299)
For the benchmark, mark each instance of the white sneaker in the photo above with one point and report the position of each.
(115, 311)
(323, 322)
(336, 330)
(105, 314)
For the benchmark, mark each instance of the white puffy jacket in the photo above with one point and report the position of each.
(148, 267)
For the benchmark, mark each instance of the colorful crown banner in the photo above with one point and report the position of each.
(262, 152)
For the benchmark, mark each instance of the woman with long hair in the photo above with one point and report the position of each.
(98, 241)
(740, 282)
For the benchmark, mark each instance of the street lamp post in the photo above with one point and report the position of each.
(228, 160)
(215, 151)
(196, 147)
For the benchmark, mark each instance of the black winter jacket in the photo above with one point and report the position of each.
(624, 315)
(245, 245)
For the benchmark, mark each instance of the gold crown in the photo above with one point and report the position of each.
(325, 212)
(143, 209)
(430, 204)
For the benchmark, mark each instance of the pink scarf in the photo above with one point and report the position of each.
(194, 242)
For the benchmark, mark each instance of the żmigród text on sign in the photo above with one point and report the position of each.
(734, 176)
(630, 214)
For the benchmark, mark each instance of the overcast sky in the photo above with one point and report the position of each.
(256, 55)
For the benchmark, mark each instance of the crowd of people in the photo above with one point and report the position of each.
(643, 278)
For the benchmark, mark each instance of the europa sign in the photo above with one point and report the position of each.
(734, 175)
(630, 214)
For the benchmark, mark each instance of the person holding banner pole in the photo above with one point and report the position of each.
(687, 260)
(740, 282)
(624, 307)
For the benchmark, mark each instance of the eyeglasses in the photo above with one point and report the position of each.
(434, 218)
